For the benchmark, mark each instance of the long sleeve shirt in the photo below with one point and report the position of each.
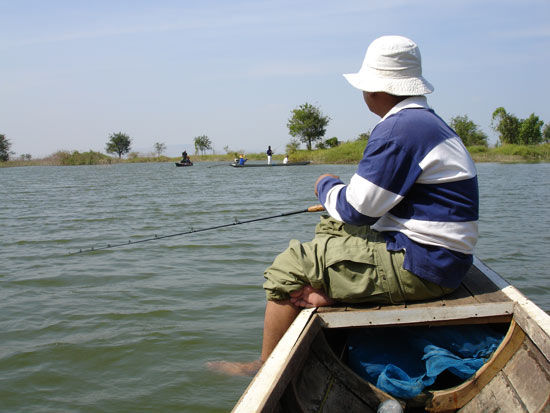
(417, 184)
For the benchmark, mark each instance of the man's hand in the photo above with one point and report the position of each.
(321, 177)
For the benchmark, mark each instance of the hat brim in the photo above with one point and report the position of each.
(414, 86)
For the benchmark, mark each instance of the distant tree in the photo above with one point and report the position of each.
(332, 142)
(546, 133)
(518, 131)
(202, 143)
(118, 143)
(507, 125)
(308, 123)
(292, 146)
(159, 148)
(530, 130)
(363, 136)
(5, 146)
(468, 131)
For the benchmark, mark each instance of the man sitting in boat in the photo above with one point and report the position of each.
(242, 159)
(184, 157)
(285, 161)
(404, 227)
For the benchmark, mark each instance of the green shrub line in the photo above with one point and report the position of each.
(345, 153)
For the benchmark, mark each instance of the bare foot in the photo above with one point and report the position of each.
(309, 297)
(234, 368)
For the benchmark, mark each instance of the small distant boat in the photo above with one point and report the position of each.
(259, 165)
(184, 163)
(308, 370)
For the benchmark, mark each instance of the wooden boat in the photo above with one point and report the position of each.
(258, 165)
(307, 371)
(184, 163)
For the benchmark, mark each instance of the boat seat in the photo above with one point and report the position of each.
(477, 296)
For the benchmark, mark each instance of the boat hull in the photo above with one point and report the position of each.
(308, 372)
(262, 165)
(179, 164)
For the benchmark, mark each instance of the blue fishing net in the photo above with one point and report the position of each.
(403, 361)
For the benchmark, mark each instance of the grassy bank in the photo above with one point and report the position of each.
(346, 153)
(352, 152)
(512, 153)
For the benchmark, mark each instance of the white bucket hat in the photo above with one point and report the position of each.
(392, 65)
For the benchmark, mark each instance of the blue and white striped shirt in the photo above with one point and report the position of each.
(417, 184)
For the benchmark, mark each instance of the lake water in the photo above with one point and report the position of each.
(129, 329)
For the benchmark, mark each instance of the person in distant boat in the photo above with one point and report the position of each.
(285, 161)
(184, 157)
(242, 159)
(405, 226)
(269, 154)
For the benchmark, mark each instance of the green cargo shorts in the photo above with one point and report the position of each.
(351, 264)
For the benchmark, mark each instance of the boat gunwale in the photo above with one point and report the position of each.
(260, 391)
(530, 317)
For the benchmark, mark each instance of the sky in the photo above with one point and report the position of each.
(74, 72)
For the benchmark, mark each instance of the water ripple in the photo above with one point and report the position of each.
(130, 328)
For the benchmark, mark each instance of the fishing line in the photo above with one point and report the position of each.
(315, 208)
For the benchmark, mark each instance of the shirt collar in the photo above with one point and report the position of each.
(413, 102)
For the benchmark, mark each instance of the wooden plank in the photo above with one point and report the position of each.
(426, 304)
(458, 396)
(529, 373)
(295, 361)
(301, 396)
(321, 386)
(461, 296)
(347, 379)
(482, 288)
(497, 396)
(415, 315)
(525, 315)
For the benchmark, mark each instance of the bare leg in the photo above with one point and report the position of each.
(279, 315)
(309, 297)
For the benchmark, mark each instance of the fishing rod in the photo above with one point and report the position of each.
(315, 208)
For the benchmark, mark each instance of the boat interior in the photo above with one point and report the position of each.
(515, 378)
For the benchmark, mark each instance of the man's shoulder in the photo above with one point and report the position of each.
(415, 122)
(414, 115)
(415, 131)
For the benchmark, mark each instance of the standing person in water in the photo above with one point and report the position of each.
(269, 154)
(405, 226)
